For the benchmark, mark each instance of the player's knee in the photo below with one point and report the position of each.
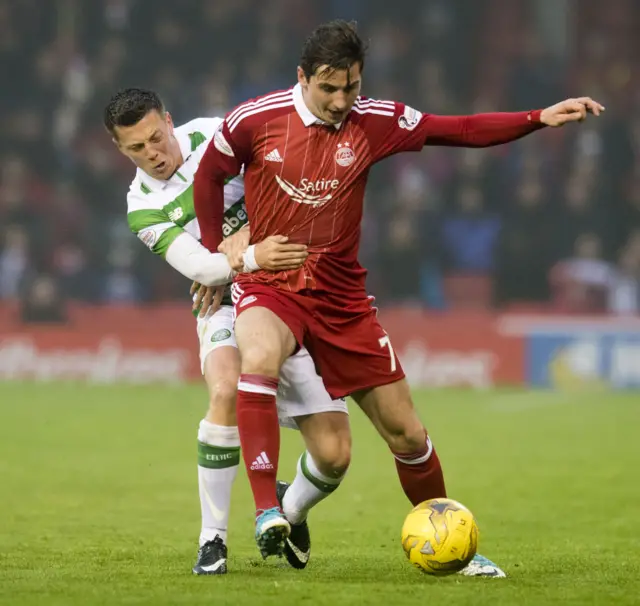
(261, 360)
(222, 396)
(333, 457)
(406, 438)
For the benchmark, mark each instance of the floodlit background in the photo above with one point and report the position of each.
(443, 228)
(507, 278)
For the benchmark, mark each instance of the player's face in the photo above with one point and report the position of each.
(330, 94)
(151, 145)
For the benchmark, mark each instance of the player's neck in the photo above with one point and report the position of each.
(310, 107)
(177, 155)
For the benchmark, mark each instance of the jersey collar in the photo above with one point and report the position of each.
(308, 119)
(185, 149)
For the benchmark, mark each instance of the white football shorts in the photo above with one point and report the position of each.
(300, 391)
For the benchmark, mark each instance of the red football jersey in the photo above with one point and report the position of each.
(306, 179)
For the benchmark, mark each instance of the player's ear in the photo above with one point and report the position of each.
(115, 140)
(302, 79)
(169, 121)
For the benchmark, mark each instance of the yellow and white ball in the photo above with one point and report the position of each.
(440, 536)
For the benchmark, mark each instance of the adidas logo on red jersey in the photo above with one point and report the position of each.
(274, 156)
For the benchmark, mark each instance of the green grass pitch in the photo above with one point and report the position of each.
(98, 503)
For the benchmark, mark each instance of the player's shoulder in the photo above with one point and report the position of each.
(144, 202)
(367, 106)
(139, 194)
(144, 210)
(373, 113)
(258, 111)
(370, 113)
(205, 127)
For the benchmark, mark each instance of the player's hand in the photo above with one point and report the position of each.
(234, 247)
(571, 110)
(275, 254)
(195, 287)
(197, 293)
(208, 300)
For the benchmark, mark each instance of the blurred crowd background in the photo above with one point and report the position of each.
(549, 222)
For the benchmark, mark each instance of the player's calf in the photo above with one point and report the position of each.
(420, 473)
(218, 463)
(391, 411)
(320, 471)
(323, 466)
(310, 486)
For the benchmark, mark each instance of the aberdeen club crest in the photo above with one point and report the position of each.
(344, 154)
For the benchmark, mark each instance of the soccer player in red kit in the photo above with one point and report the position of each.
(306, 153)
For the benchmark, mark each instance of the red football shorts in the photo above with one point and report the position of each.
(350, 348)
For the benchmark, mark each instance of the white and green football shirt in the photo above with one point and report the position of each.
(159, 211)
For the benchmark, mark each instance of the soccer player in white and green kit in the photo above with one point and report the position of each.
(161, 214)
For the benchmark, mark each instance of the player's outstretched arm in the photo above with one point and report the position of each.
(395, 127)
(485, 130)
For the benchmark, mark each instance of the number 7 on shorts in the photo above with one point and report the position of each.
(386, 342)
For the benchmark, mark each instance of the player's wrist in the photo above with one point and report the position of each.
(249, 259)
(534, 116)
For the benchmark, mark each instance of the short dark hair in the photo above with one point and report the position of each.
(335, 44)
(128, 106)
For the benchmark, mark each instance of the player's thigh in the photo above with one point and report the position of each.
(390, 408)
(354, 354)
(220, 362)
(264, 338)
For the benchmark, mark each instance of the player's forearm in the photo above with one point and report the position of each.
(195, 262)
(481, 130)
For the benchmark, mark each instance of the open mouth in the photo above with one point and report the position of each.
(160, 167)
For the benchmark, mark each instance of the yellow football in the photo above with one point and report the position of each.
(440, 536)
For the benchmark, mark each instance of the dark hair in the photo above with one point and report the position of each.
(335, 44)
(127, 107)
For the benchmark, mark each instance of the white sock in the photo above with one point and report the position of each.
(218, 462)
(309, 487)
